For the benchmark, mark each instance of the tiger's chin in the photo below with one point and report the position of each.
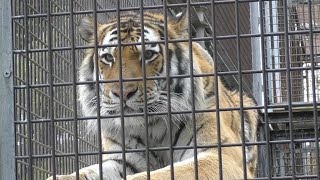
(128, 110)
(133, 116)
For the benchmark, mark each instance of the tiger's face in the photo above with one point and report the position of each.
(130, 59)
(131, 64)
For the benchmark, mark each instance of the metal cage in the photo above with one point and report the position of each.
(268, 49)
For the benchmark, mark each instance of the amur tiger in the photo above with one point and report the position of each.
(180, 88)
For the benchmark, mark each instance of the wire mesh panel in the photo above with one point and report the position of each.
(299, 49)
(261, 49)
(36, 102)
(305, 154)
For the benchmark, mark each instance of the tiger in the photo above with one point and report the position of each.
(163, 94)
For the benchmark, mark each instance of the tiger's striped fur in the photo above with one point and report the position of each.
(181, 100)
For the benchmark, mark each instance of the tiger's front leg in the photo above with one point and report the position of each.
(112, 167)
(112, 170)
(208, 167)
(84, 174)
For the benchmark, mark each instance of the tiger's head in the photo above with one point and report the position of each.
(129, 58)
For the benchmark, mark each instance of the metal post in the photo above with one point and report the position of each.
(7, 138)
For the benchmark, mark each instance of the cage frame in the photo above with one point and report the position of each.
(240, 72)
(7, 135)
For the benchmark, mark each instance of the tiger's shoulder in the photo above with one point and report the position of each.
(230, 119)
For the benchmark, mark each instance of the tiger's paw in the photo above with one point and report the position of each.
(84, 174)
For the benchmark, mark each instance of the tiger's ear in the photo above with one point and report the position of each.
(86, 28)
(180, 22)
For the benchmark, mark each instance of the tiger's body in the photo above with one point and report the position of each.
(156, 62)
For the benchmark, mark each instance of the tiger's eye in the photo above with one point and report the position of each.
(108, 57)
(149, 54)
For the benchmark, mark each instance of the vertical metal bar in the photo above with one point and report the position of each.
(265, 90)
(28, 90)
(194, 128)
(74, 88)
(118, 12)
(51, 91)
(288, 81)
(145, 88)
(216, 85)
(97, 74)
(243, 140)
(314, 95)
(166, 47)
(7, 135)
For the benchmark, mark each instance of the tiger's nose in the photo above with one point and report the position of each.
(127, 93)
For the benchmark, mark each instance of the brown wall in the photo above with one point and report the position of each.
(227, 48)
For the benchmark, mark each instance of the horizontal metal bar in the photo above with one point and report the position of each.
(195, 39)
(294, 104)
(292, 69)
(284, 177)
(33, 166)
(113, 10)
(167, 148)
(46, 146)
